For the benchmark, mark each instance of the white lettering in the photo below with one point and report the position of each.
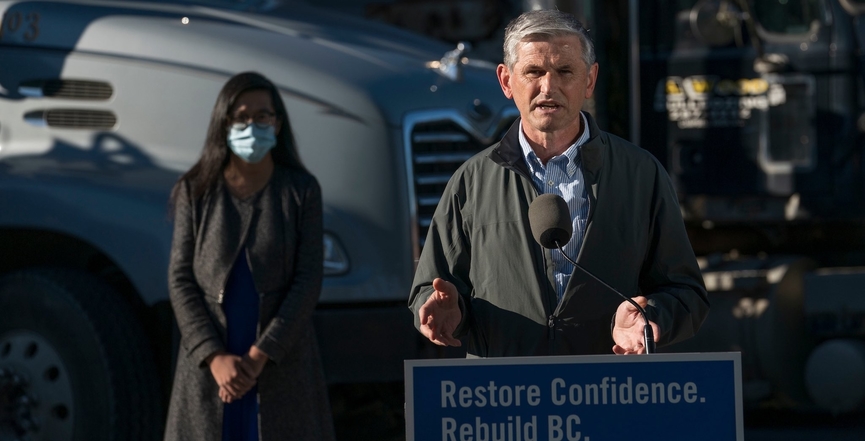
(465, 396)
(690, 392)
(482, 430)
(448, 389)
(558, 400)
(573, 433)
(672, 396)
(506, 396)
(449, 426)
(481, 400)
(533, 395)
(642, 393)
(554, 423)
(625, 392)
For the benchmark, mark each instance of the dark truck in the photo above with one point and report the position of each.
(757, 109)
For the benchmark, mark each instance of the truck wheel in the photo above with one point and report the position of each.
(74, 361)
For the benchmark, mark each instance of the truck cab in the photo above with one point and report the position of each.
(103, 104)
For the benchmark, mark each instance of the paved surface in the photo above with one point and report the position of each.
(797, 427)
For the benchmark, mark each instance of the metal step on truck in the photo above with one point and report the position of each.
(104, 104)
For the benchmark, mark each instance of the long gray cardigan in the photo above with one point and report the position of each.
(282, 235)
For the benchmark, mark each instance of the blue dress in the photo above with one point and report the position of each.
(240, 418)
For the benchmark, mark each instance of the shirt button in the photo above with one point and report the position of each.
(550, 183)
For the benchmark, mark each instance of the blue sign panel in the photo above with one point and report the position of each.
(578, 398)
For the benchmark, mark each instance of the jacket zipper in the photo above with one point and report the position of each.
(591, 192)
(551, 320)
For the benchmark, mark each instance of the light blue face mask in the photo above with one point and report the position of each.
(251, 143)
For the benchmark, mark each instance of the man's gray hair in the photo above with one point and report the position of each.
(547, 23)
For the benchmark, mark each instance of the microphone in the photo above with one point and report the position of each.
(550, 221)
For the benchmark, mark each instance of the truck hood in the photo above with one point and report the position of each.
(311, 53)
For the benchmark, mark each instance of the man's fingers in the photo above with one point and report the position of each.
(443, 285)
(440, 338)
(446, 288)
(450, 341)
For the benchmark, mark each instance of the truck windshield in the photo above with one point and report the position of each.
(786, 16)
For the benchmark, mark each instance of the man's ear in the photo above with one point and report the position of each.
(592, 80)
(504, 75)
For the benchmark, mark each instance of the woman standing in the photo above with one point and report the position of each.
(244, 278)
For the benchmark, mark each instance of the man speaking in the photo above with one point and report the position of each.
(483, 278)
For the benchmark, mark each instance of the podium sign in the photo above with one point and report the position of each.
(666, 397)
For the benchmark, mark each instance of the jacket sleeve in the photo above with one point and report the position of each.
(299, 303)
(199, 338)
(445, 255)
(670, 277)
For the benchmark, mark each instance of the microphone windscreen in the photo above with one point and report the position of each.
(550, 221)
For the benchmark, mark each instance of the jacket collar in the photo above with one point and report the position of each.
(508, 152)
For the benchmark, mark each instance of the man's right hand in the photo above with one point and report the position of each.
(440, 315)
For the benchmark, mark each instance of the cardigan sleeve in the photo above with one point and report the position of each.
(299, 303)
(199, 337)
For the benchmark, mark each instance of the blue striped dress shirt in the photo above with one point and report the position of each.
(563, 176)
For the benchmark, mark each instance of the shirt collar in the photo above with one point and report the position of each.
(572, 152)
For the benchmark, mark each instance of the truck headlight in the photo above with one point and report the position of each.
(335, 257)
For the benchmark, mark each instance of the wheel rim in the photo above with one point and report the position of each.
(35, 392)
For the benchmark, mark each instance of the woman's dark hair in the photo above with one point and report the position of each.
(204, 175)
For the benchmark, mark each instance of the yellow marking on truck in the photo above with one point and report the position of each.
(700, 85)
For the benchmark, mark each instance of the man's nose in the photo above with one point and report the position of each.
(547, 83)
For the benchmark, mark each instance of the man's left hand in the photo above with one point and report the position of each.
(628, 328)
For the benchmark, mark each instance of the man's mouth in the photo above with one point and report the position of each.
(547, 106)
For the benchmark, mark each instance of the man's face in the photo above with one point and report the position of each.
(548, 84)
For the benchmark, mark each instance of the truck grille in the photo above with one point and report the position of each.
(67, 89)
(792, 137)
(72, 119)
(438, 142)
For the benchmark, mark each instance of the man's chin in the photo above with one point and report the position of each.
(545, 124)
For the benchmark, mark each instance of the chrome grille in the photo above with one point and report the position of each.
(72, 118)
(792, 134)
(67, 89)
(438, 143)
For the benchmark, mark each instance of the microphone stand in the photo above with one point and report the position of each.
(648, 334)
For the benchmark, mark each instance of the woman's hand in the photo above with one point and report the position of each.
(254, 361)
(232, 375)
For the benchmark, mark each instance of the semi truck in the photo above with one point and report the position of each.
(103, 104)
(757, 109)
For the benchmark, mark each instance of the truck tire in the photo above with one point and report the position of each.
(74, 361)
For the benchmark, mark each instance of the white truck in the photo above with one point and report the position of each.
(104, 104)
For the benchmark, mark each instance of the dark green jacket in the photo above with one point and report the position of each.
(635, 241)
